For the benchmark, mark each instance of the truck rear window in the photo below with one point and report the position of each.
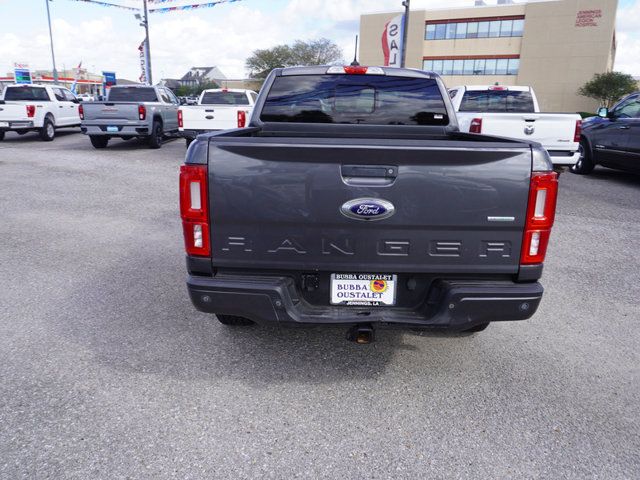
(26, 94)
(497, 101)
(225, 98)
(132, 94)
(355, 99)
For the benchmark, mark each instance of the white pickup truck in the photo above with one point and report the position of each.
(27, 108)
(217, 109)
(513, 111)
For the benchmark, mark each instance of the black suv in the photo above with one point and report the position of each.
(612, 139)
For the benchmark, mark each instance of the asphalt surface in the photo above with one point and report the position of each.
(107, 371)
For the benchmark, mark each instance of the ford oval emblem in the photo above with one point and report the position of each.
(367, 209)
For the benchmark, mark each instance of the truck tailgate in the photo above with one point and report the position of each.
(15, 111)
(211, 117)
(459, 206)
(555, 131)
(111, 112)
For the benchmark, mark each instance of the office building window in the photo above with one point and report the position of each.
(472, 66)
(479, 28)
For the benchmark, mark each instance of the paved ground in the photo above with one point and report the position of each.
(106, 370)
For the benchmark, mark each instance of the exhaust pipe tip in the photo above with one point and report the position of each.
(362, 334)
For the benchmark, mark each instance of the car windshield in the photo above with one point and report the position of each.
(355, 99)
(132, 94)
(26, 94)
(225, 98)
(497, 101)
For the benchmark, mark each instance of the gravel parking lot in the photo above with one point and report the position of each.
(107, 371)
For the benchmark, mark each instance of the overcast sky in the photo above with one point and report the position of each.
(107, 38)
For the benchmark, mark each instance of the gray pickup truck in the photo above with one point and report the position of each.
(131, 111)
(352, 199)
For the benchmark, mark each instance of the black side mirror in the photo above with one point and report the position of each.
(603, 112)
(77, 100)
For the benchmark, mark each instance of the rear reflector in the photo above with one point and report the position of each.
(142, 112)
(541, 210)
(180, 121)
(31, 111)
(242, 118)
(194, 210)
(476, 126)
(356, 70)
(578, 131)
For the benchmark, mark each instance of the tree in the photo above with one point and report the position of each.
(313, 52)
(608, 87)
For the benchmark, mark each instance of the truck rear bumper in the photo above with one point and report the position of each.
(8, 125)
(192, 134)
(450, 304)
(562, 158)
(123, 131)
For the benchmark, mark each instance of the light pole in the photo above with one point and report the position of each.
(405, 27)
(53, 56)
(144, 22)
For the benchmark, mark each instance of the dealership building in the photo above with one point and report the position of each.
(555, 46)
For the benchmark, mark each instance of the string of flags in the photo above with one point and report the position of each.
(163, 9)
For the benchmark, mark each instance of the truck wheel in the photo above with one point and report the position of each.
(477, 328)
(48, 130)
(233, 320)
(584, 165)
(188, 141)
(1, 136)
(98, 141)
(155, 139)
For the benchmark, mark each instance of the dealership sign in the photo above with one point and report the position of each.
(142, 50)
(21, 73)
(588, 18)
(392, 41)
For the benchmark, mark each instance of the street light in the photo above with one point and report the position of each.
(144, 22)
(53, 56)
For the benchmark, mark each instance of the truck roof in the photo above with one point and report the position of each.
(514, 88)
(324, 69)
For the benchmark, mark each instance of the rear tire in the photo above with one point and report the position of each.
(155, 139)
(234, 320)
(1, 136)
(584, 165)
(477, 328)
(98, 141)
(48, 130)
(188, 141)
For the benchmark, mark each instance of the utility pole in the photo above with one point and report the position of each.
(53, 56)
(148, 51)
(405, 28)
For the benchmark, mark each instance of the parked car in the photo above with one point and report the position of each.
(44, 109)
(217, 109)
(612, 139)
(131, 111)
(513, 111)
(86, 97)
(353, 199)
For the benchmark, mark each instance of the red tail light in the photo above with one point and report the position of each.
(578, 131)
(142, 112)
(31, 111)
(541, 211)
(194, 209)
(476, 125)
(242, 118)
(81, 112)
(180, 122)
(355, 70)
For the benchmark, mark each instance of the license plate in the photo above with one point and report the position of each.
(367, 289)
(4, 124)
(112, 129)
